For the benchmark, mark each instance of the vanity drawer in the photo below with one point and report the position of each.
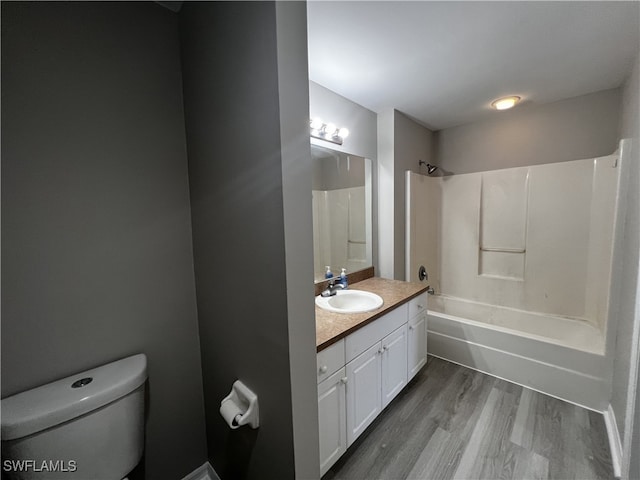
(417, 305)
(330, 360)
(360, 340)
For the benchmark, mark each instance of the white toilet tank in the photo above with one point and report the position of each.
(86, 426)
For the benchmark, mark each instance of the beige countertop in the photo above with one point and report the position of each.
(331, 327)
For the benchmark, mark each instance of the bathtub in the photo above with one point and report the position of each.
(559, 356)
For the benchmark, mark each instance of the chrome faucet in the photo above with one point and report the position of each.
(332, 288)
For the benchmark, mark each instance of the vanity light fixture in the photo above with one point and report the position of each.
(327, 131)
(505, 103)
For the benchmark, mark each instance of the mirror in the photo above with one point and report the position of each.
(341, 212)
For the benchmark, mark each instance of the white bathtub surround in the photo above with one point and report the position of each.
(340, 233)
(534, 238)
(521, 258)
(565, 366)
(615, 442)
(572, 333)
(503, 223)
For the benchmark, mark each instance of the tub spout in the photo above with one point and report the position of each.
(430, 290)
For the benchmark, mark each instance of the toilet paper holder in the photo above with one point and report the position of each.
(240, 407)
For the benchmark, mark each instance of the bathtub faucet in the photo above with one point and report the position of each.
(430, 290)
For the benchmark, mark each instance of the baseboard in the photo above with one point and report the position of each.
(203, 472)
(575, 387)
(615, 443)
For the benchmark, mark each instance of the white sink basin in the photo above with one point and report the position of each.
(350, 301)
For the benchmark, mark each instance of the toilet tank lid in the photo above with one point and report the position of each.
(43, 407)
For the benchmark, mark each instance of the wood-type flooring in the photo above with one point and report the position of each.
(452, 422)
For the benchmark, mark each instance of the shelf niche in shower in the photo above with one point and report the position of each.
(503, 223)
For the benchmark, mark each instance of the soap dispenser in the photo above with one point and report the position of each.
(328, 273)
(343, 278)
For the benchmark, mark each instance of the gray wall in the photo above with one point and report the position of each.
(624, 290)
(232, 113)
(96, 238)
(413, 142)
(573, 129)
(402, 143)
(361, 122)
(293, 89)
(386, 183)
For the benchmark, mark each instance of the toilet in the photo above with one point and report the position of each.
(86, 426)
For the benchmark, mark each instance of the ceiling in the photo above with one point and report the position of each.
(442, 63)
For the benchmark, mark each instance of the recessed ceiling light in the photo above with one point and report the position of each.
(505, 103)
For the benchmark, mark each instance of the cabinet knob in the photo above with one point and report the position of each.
(344, 380)
(420, 306)
(385, 348)
(323, 369)
(410, 327)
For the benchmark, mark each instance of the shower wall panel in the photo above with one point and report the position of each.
(423, 219)
(340, 230)
(503, 222)
(533, 238)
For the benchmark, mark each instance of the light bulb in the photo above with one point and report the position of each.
(330, 129)
(343, 132)
(316, 123)
(505, 102)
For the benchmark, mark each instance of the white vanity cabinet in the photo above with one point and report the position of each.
(417, 335)
(375, 377)
(394, 364)
(332, 415)
(358, 376)
(364, 391)
(330, 359)
(376, 368)
(332, 408)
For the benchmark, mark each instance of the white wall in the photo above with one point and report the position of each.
(624, 312)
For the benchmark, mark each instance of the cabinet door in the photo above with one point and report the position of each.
(394, 364)
(417, 337)
(332, 413)
(363, 391)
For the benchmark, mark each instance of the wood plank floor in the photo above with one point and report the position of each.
(452, 422)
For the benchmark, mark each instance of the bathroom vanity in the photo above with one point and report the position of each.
(365, 359)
